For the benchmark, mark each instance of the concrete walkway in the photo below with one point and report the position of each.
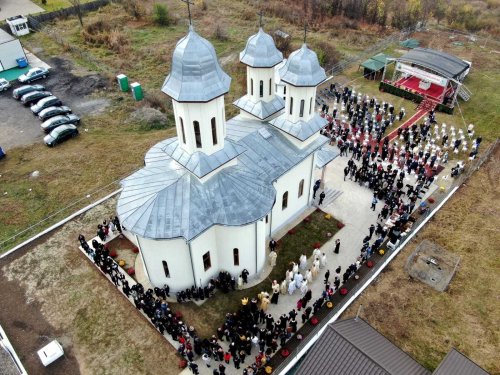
(346, 201)
(11, 8)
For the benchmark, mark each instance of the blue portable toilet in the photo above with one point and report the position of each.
(22, 62)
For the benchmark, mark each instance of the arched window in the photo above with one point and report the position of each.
(182, 130)
(301, 113)
(197, 133)
(291, 105)
(270, 86)
(301, 187)
(284, 201)
(310, 105)
(261, 89)
(165, 269)
(207, 262)
(251, 86)
(236, 257)
(214, 131)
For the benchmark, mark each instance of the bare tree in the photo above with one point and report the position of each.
(77, 4)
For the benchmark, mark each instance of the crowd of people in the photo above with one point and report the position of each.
(250, 336)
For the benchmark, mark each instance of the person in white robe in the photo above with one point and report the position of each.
(323, 262)
(291, 287)
(309, 276)
(272, 258)
(298, 280)
(303, 262)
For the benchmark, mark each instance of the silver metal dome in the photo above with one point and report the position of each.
(260, 51)
(302, 68)
(196, 75)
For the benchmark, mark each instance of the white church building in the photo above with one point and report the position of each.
(209, 199)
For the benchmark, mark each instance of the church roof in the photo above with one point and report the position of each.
(300, 129)
(261, 109)
(198, 163)
(165, 200)
(260, 51)
(302, 68)
(196, 75)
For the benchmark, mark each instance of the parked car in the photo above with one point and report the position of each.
(2, 153)
(47, 102)
(54, 122)
(33, 74)
(60, 134)
(4, 84)
(49, 112)
(23, 90)
(34, 96)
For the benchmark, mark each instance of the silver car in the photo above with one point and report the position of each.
(4, 84)
(54, 122)
(47, 113)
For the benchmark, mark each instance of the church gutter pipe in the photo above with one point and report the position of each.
(60, 223)
(256, 248)
(311, 182)
(192, 264)
(367, 283)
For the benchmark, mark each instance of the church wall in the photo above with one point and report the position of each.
(308, 94)
(176, 253)
(242, 238)
(203, 113)
(257, 75)
(205, 242)
(261, 244)
(290, 182)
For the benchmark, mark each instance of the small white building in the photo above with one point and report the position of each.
(10, 50)
(18, 25)
(209, 199)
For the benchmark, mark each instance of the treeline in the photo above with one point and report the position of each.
(462, 14)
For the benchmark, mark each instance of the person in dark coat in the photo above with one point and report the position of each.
(321, 198)
(337, 246)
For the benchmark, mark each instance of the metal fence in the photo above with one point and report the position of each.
(66, 12)
(469, 169)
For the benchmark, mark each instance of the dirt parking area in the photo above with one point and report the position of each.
(76, 89)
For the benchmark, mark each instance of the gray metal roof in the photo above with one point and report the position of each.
(198, 163)
(5, 37)
(441, 62)
(325, 155)
(354, 347)
(302, 68)
(165, 200)
(260, 51)
(261, 109)
(455, 363)
(300, 129)
(196, 75)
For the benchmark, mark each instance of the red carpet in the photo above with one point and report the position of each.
(411, 83)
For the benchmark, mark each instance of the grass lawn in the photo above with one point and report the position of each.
(426, 323)
(209, 316)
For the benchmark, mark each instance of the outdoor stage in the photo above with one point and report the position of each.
(434, 91)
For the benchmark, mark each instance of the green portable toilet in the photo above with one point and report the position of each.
(123, 82)
(137, 91)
